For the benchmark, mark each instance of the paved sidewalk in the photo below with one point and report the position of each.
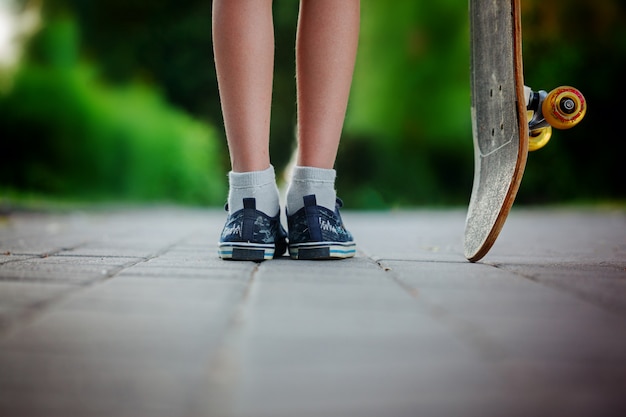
(130, 313)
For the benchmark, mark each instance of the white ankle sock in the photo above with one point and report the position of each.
(260, 185)
(309, 180)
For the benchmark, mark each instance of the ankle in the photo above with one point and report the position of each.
(307, 181)
(260, 185)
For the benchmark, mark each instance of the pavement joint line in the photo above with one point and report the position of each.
(56, 252)
(246, 294)
(13, 278)
(30, 256)
(224, 364)
(138, 261)
(70, 255)
(482, 344)
(50, 283)
(33, 311)
(568, 290)
(27, 257)
(572, 291)
(424, 261)
(376, 259)
(198, 267)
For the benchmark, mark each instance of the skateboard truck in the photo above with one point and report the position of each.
(534, 99)
(562, 108)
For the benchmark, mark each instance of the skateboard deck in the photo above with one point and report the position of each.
(499, 120)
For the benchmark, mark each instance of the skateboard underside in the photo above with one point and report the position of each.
(499, 124)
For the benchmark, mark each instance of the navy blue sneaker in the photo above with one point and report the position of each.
(251, 235)
(316, 232)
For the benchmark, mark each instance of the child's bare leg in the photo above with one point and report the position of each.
(243, 39)
(327, 39)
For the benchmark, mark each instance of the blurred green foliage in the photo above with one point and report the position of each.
(117, 98)
(71, 133)
(408, 131)
(408, 134)
(580, 43)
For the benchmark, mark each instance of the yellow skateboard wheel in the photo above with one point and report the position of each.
(537, 139)
(564, 107)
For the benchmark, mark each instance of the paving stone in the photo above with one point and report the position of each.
(604, 284)
(160, 297)
(132, 314)
(51, 385)
(202, 266)
(39, 245)
(562, 236)
(18, 299)
(402, 235)
(38, 269)
(145, 249)
(9, 257)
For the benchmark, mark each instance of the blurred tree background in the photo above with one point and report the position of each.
(117, 99)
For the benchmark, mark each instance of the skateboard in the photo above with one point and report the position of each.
(508, 119)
